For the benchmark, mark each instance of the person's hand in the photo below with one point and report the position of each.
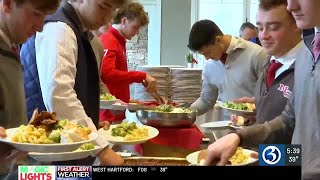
(108, 157)
(104, 124)
(151, 84)
(240, 121)
(222, 150)
(3, 133)
(7, 153)
(244, 100)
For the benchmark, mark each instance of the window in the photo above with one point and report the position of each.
(227, 14)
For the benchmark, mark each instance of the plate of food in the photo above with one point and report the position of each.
(107, 99)
(242, 157)
(84, 151)
(46, 134)
(130, 133)
(241, 109)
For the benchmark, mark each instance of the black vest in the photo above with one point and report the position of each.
(87, 76)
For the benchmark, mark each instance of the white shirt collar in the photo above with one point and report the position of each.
(5, 38)
(115, 27)
(290, 57)
(232, 45)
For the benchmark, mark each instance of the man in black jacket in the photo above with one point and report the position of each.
(19, 19)
(68, 74)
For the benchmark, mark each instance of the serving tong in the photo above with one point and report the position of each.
(155, 95)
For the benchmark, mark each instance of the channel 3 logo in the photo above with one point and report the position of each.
(271, 155)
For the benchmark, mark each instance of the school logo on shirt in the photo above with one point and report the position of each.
(285, 90)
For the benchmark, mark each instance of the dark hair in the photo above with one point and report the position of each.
(132, 11)
(119, 2)
(269, 4)
(246, 25)
(203, 33)
(46, 6)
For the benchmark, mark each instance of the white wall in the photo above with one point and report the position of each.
(153, 8)
(175, 27)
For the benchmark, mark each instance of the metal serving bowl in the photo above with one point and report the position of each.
(161, 119)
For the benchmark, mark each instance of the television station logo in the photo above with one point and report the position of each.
(271, 155)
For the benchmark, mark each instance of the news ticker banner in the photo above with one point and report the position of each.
(276, 158)
(141, 172)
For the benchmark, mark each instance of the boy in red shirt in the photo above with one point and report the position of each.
(114, 69)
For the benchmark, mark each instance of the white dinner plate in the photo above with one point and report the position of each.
(106, 103)
(193, 158)
(152, 132)
(220, 125)
(117, 105)
(44, 148)
(217, 125)
(63, 156)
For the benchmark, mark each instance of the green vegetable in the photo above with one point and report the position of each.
(123, 129)
(107, 97)
(166, 108)
(238, 106)
(61, 124)
(57, 127)
(55, 136)
(87, 146)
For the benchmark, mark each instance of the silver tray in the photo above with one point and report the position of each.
(160, 119)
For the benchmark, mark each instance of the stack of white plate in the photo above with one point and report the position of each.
(162, 75)
(186, 84)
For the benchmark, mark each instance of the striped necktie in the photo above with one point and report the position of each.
(316, 46)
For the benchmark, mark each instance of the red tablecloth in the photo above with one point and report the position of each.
(186, 138)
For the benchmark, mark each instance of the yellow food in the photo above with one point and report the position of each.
(64, 131)
(130, 131)
(31, 134)
(251, 106)
(239, 157)
(137, 134)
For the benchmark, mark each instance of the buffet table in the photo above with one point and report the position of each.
(155, 150)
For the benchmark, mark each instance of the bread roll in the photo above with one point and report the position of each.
(202, 156)
(251, 106)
